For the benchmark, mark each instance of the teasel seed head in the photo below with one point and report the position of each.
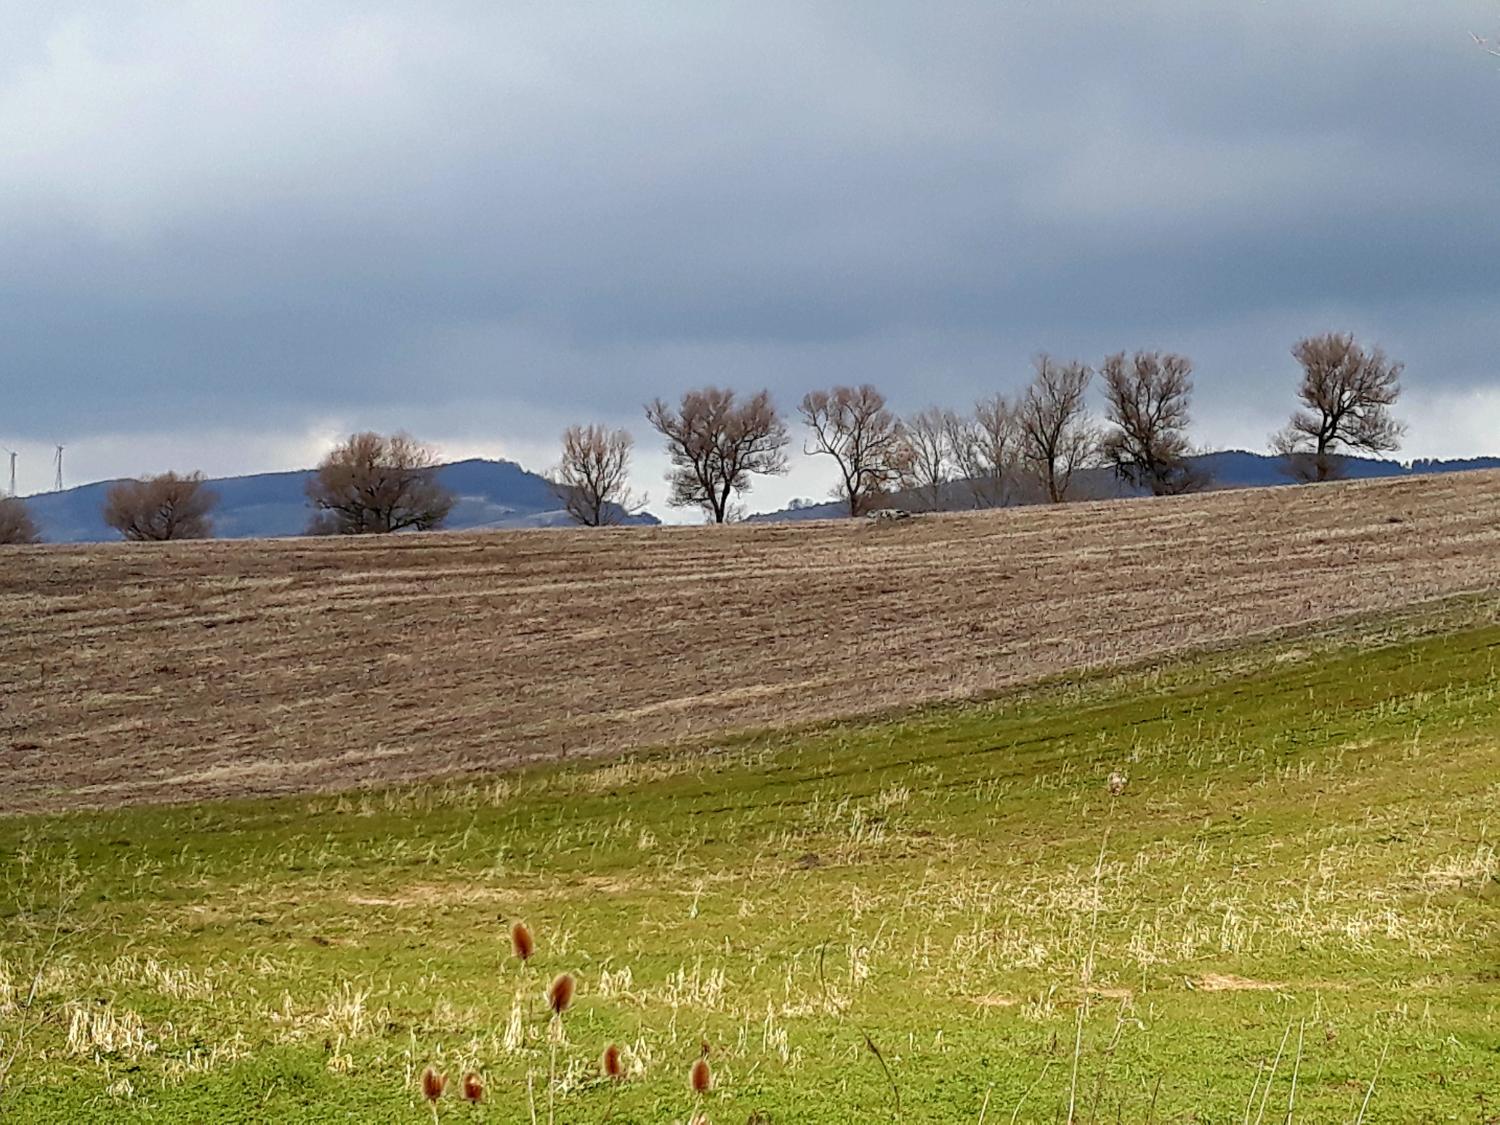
(473, 1088)
(611, 1063)
(521, 941)
(560, 995)
(700, 1077)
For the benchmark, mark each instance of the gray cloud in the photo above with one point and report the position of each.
(272, 217)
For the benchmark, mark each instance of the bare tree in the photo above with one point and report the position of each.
(16, 524)
(1347, 394)
(1148, 404)
(1057, 437)
(717, 444)
(376, 483)
(853, 426)
(984, 447)
(161, 507)
(593, 478)
(926, 458)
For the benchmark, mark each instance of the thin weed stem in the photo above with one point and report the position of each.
(865, 1035)
(1016, 1114)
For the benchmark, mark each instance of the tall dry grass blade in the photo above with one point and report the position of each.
(1087, 974)
(1266, 1096)
(1380, 1062)
(1077, 1055)
(1291, 1098)
(1254, 1089)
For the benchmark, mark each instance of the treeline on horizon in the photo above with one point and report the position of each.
(1007, 449)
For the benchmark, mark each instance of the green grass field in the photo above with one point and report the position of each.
(1304, 861)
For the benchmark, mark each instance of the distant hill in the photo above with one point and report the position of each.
(1237, 468)
(1231, 468)
(490, 494)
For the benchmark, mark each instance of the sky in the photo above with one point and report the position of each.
(231, 233)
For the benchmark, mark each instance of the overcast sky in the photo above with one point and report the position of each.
(231, 232)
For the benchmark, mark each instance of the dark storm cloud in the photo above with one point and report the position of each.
(267, 214)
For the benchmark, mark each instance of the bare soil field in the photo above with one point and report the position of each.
(139, 673)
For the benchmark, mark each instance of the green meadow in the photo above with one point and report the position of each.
(1291, 912)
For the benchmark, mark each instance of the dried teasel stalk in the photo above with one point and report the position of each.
(433, 1084)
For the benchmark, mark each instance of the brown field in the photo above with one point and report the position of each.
(133, 673)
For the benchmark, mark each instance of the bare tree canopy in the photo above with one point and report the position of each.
(717, 444)
(1347, 394)
(376, 483)
(926, 459)
(16, 524)
(1148, 405)
(161, 507)
(853, 426)
(593, 478)
(985, 449)
(1057, 437)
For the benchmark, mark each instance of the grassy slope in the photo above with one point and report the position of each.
(1319, 821)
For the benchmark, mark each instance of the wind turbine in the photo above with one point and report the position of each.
(12, 453)
(57, 486)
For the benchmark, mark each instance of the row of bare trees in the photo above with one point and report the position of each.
(1004, 448)
(718, 442)
(1035, 443)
